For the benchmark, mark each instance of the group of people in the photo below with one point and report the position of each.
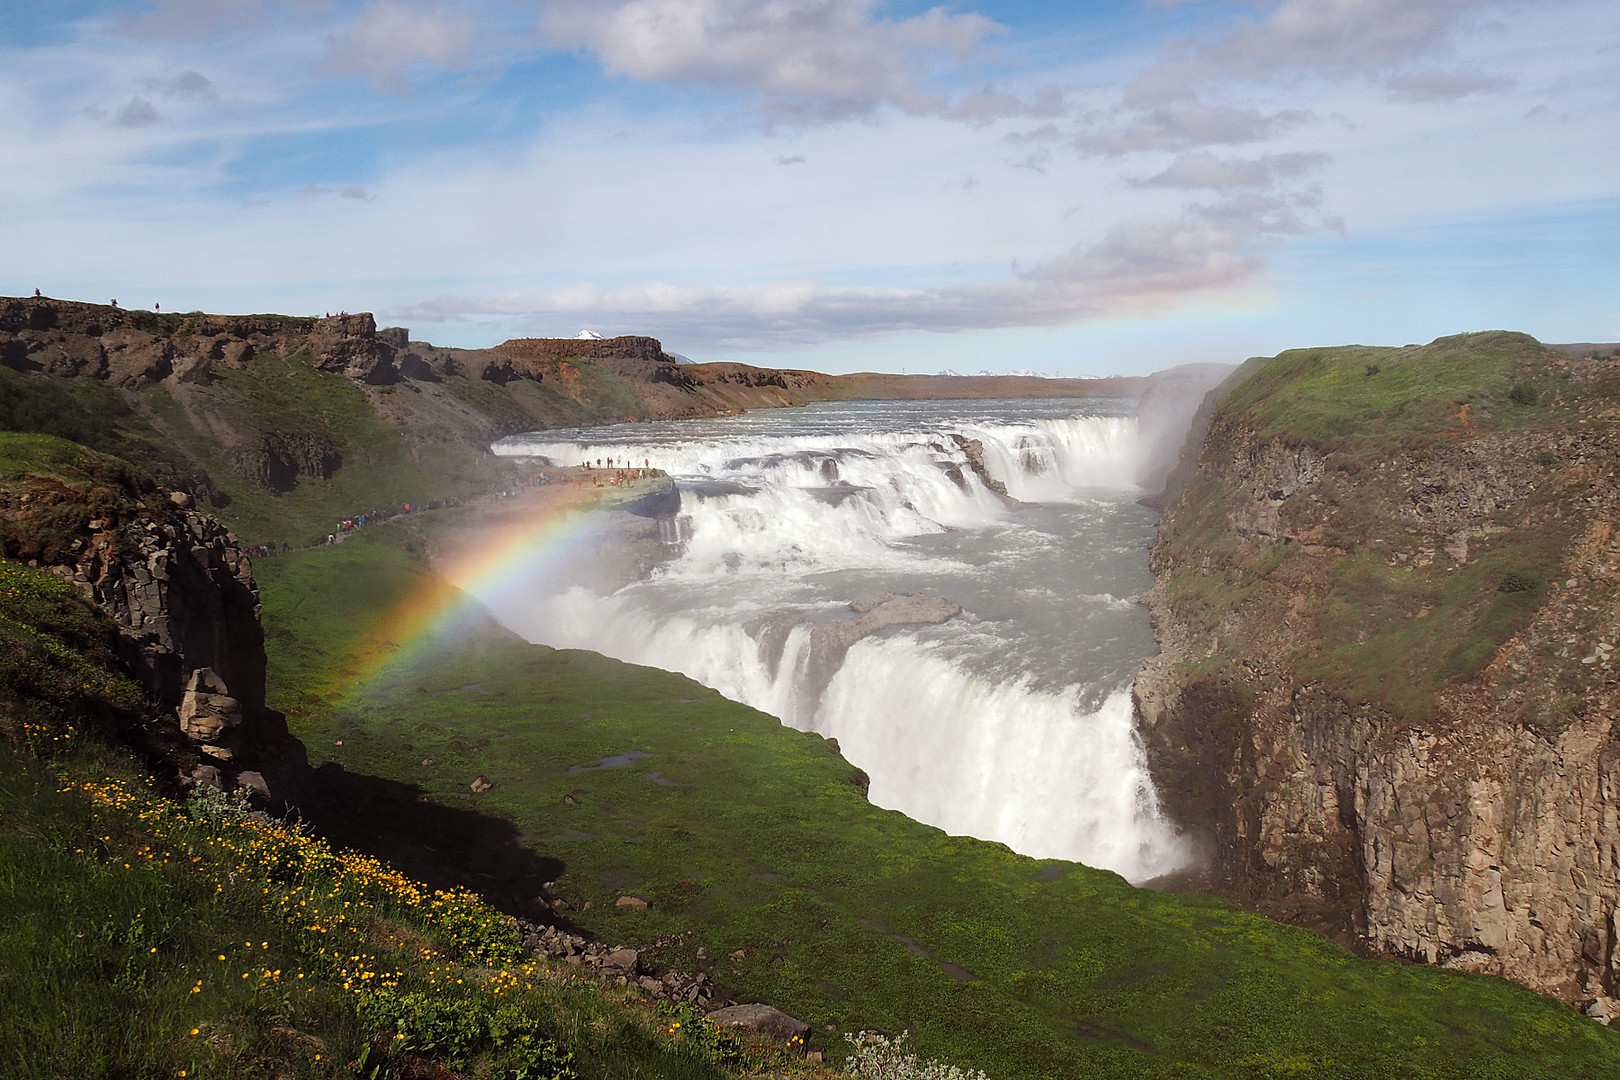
(616, 463)
(264, 551)
(359, 521)
(624, 474)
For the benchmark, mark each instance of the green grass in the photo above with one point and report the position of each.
(1328, 399)
(221, 946)
(379, 468)
(83, 411)
(746, 835)
(100, 949)
(141, 938)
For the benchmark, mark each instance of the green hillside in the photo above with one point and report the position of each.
(746, 835)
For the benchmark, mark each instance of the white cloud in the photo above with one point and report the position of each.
(1205, 170)
(188, 85)
(1334, 39)
(347, 191)
(390, 37)
(1426, 86)
(809, 59)
(1136, 267)
(137, 112)
(1182, 125)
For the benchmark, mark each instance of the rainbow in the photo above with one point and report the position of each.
(517, 555)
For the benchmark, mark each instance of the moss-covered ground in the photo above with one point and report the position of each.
(754, 842)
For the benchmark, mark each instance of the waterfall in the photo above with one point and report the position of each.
(1010, 722)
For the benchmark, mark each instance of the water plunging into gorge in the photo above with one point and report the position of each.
(1010, 721)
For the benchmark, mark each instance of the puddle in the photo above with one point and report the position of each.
(574, 834)
(664, 781)
(911, 946)
(613, 761)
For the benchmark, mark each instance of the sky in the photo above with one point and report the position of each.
(1074, 188)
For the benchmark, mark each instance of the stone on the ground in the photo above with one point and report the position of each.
(625, 961)
(481, 784)
(634, 903)
(766, 1020)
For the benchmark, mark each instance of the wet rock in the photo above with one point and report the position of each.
(829, 641)
(973, 450)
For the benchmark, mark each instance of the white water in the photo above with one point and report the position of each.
(1011, 722)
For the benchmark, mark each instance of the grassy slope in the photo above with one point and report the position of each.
(380, 468)
(751, 836)
(1363, 407)
(138, 939)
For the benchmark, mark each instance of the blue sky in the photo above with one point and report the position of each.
(1074, 188)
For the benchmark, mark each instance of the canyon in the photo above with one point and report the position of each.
(1385, 584)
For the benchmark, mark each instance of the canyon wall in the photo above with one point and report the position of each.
(1388, 600)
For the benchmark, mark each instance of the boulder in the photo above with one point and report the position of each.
(764, 1020)
(206, 775)
(481, 784)
(207, 711)
(634, 903)
(622, 961)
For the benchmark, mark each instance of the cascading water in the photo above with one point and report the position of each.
(1010, 721)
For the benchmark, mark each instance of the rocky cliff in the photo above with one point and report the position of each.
(1388, 601)
(178, 588)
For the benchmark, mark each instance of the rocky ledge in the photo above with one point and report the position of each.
(180, 590)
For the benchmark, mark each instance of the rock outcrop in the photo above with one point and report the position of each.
(135, 348)
(181, 592)
(830, 640)
(619, 964)
(973, 451)
(1388, 690)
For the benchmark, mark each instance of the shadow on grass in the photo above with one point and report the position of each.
(441, 846)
